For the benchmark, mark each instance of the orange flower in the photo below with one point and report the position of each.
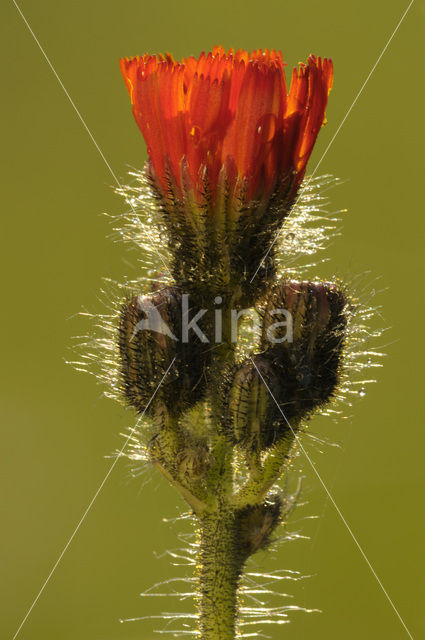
(228, 112)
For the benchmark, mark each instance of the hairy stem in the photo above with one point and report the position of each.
(219, 569)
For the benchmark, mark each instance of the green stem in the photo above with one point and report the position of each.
(219, 566)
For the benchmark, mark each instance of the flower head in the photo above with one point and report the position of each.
(310, 362)
(228, 112)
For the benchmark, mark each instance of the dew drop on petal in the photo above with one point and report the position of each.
(195, 134)
(267, 127)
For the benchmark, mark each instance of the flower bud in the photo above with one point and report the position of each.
(252, 418)
(256, 524)
(193, 461)
(303, 331)
(150, 338)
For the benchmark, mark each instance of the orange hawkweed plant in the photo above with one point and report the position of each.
(221, 203)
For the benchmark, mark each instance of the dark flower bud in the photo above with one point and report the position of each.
(193, 461)
(252, 418)
(150, 337)
(256, 524)
(303, 332)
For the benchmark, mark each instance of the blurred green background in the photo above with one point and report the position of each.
(57, 428)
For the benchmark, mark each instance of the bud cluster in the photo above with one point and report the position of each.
(255, 404)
